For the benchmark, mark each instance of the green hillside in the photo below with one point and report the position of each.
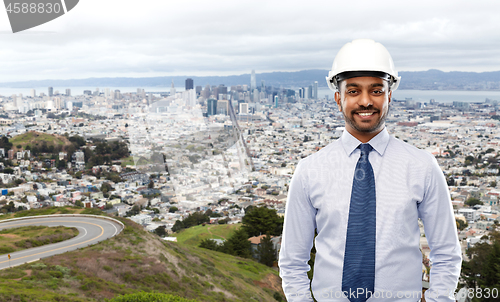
(136, 261)
(194, 235)
(36, 139)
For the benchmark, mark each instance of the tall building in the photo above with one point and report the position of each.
(189, 84)
(222, 92)
(206, 92)
(51, 91)
(315, 90)
(33, 93)
(243, 108)
(172, 89)
(211, 107)
(253, 81)
(256, 96)
(215, 92)
(68, 92)
(222, 107)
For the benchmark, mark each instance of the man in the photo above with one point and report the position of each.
(362, 195)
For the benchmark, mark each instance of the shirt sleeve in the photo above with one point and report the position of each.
(297, 241)
(436, 212)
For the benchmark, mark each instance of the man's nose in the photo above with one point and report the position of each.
(364, 99)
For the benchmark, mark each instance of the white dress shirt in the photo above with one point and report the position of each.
(409, 185)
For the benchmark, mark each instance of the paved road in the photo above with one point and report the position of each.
(92, 230)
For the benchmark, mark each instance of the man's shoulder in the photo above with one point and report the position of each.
(332, 150)
(406, 149)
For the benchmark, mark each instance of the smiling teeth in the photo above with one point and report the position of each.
(365, 114)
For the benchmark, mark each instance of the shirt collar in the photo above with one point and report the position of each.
(379, 142)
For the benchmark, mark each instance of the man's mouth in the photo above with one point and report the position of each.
(365, 113)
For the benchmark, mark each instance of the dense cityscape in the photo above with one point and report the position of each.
(160, 157)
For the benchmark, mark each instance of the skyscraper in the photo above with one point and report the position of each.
(211, 107)
(51, 91)
(253, 81)
(189, 84)
(243, 108)
(222, 107)
(68, 92)
(172, 89)
(315, 90)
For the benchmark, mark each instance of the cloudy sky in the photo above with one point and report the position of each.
(114, 38)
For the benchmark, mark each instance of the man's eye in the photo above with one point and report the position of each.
(378, 92)
(352, 91)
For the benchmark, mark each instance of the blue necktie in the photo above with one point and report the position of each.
(358, 275)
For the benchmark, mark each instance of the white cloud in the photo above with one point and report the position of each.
(153, 38)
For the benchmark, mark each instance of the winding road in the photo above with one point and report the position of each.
(92, 229)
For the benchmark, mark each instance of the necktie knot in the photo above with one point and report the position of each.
(365, 149)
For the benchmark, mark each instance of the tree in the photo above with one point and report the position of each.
(473, 201)
(106, 187)
(223, 221)
(238, 244)
(483, 269)
(136, 209)
(173, 209)
(4, 143)
(266, 252)
(461, 225)
(114, 177)
(151, 184)
(161, 231)
(61, 165)
(261, 220)
(209, 244)
(178, 225)
(195, 218)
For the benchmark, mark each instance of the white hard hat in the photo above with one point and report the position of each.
(362, 57)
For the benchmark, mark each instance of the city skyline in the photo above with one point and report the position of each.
(230, 38)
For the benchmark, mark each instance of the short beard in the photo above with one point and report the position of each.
(376, 127)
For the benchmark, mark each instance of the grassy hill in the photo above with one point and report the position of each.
(33, 138)
(137, 260)
(51, 211)
(194, 235)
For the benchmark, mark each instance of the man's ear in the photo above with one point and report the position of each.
(390, 96)
(338, 100)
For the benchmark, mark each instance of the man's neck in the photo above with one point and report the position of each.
(363, 137)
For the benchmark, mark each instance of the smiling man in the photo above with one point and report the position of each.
(359, 199)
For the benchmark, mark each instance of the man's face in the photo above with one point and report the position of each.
(364, 101)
